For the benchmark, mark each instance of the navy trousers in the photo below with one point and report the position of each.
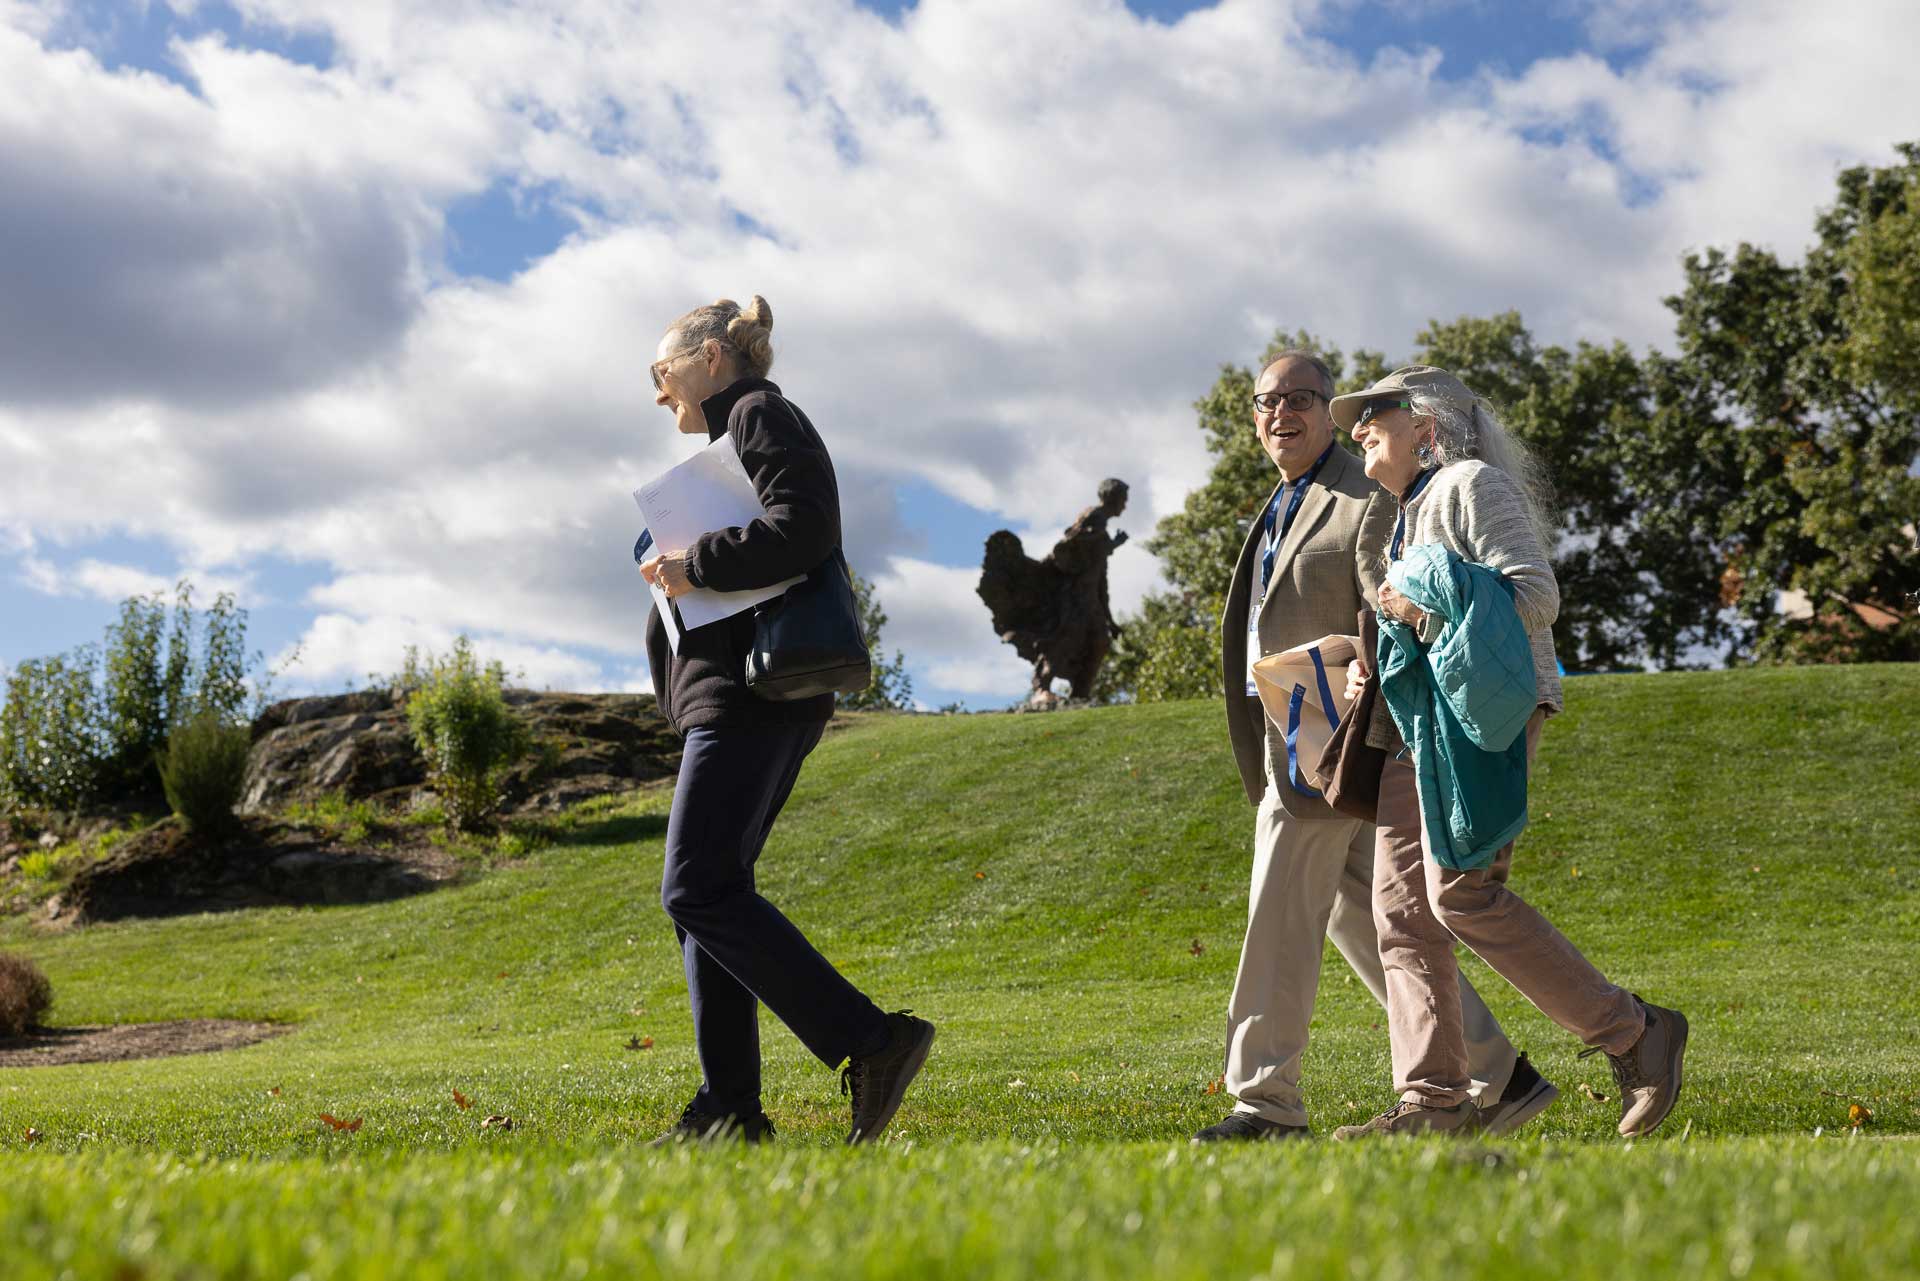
(739, 950)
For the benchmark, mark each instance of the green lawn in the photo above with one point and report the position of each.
(1064, 895)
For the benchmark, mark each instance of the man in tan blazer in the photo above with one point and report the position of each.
(1314, 556)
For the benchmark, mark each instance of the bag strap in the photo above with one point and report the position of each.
(1326, 690)
(1294, 776)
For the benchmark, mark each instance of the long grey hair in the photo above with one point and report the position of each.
(1479, 433)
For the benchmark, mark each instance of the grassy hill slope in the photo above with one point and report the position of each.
(1064, 895)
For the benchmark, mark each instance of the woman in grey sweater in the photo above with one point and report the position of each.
(1468, 486)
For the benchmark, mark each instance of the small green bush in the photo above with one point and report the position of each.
(203, 770)
(40, 865)
(463, 726)
(25, 995)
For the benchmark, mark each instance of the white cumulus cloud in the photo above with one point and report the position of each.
(1004, 256)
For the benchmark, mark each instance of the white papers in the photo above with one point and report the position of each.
(707, 492)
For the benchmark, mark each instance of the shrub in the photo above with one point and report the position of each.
(203, 769)
(463, 726)
(52, 751)
(25, 995)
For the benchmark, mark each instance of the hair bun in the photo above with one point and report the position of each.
(750, 333)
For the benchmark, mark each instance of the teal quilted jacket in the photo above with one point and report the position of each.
(1461, 704)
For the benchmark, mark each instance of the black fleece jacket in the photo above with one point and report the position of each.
(705, 683)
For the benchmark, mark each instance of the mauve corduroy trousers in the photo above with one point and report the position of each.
(1421, 908)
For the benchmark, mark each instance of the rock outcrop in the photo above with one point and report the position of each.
(166, 870)
(359, 745)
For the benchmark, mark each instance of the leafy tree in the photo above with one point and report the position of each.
(1636, 586)
(1171, 648)
(1815, 425)
(891, 687)
(52, 750)
(93, 723)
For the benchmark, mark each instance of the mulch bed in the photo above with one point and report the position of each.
(117, 1042)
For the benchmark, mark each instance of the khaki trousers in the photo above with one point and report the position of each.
(1421, 908)
(1313, 880)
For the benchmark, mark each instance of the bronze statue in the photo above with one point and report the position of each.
(1054, 612)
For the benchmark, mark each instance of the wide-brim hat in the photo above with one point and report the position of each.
(1424, 379)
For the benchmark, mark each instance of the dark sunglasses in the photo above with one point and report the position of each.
(1374, 408)
(1299, 400)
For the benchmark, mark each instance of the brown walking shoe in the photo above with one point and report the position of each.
(1649, 1073)
(1406, 1117)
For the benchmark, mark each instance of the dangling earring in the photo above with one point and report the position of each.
(1425, 456)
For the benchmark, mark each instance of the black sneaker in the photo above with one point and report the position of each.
(1527, 1095)
(1246, 1127)
(878, 1082)
(705, 1127)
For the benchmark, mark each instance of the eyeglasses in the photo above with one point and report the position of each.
(661, 366)
(1299, 400)
(1374, 408)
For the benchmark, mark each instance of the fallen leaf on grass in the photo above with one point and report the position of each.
(1214, 1086)
(502, 974)
(461, 1101)
(1858, 1115)
(1576, 872)
(274, 1093)
(979, 876)
(1592, 1093)
(334, 1122)
(639, 1043)
(497, 1122)
(1074, 1077)
(1197, 948)
(33, 1135)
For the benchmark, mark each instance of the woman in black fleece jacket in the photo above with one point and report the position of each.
(743, 753)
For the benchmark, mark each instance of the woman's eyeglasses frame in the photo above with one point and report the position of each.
(660, 367)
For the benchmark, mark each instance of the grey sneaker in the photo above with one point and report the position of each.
(1649, 1073)
(878, 1082)
(1527, 1095)
(1406, 1117)
(1246, 1127)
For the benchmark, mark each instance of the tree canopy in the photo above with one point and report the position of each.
(1750, 496)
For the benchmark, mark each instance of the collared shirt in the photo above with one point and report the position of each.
(1278, 522)
(1400, 525)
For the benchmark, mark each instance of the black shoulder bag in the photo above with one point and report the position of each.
(807, 641)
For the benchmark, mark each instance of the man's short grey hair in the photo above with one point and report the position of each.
(1312, 358)
(1478, 432)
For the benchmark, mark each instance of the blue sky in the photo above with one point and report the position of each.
(493, 226)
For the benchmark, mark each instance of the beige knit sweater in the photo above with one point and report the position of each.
(1478, 513)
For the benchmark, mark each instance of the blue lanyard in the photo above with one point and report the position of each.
(1400, 526)
(1278, 526)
